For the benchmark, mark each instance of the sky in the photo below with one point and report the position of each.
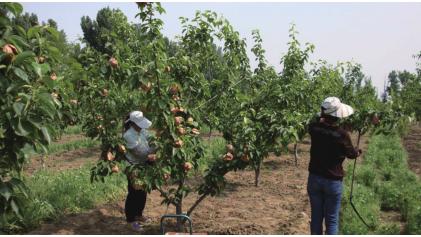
(380, 36)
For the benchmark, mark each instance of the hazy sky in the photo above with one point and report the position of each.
(380, 36)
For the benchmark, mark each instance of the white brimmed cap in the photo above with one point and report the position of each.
(137, 118)
(332, 106)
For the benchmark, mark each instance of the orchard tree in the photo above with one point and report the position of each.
(298, 87)
(30, 101)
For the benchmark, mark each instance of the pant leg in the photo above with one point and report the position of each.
(315, 193)
(141, 201)
(131, 208)
(333, 194)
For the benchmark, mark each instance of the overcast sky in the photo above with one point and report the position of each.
(380, 36)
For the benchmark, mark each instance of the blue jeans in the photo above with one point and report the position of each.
(325, 200)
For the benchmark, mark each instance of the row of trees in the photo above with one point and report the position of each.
(49, 84)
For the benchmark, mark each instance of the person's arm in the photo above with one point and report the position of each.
(349, 150)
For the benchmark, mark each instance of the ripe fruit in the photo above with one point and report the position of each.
(105, 92)
(228, 157)
(187, 166)
(178, 143)
(167, 69)
(40, 59)
(167, 176)
(174, 89)
(146, 87)
(195, 131)
(375, 120)
(115, 169)
(152, 157)
(113, 62)
(99, 117)
(178, 120)
(53, 76)
(109, 156)
(121, 148)
(230, 148)
(10, 51)
(174, 110)
(181, 130)
(245, 158)
(175, 97)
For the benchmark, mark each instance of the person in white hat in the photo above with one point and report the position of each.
(138, 153)
(330, 144)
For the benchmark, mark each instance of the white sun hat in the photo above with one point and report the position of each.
(137, 118)
(332, 106)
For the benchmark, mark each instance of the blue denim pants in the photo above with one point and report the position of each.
(325, 200)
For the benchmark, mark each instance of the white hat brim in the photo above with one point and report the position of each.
(343, 111)
(144, 123)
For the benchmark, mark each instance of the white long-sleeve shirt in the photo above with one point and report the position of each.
(137, 146)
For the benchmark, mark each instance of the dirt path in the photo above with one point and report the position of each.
(412, 143)
(64, 160)
(278, 206)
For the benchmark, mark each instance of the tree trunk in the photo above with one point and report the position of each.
(296, 153)
(43, 161)
(179, 211)
(257, 174)
(210, 132)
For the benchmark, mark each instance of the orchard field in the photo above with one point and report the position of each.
(232, 142)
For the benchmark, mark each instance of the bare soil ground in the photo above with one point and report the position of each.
(412, 144)
(279, 205)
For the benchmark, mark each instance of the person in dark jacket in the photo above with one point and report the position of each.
(330, 145)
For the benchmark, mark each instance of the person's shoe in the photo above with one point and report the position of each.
(135, 226)
(143, 219)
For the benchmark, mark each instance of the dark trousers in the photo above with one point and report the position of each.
(135, 203)
(325, 200)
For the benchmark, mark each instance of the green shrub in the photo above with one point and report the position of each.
(55, 194)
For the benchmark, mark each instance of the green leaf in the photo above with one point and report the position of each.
(22, 56)
(22, 129)
(46, 135)
(18, 108)
(37, 69)
(21, 74)
(33, 31)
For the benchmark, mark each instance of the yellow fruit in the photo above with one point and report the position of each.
(121, 148)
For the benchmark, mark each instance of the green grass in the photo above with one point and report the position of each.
(55, 194)
(62, 147)
(71, 130)
(383, 183)
(73, 145)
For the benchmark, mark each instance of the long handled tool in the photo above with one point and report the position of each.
(352, 188)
